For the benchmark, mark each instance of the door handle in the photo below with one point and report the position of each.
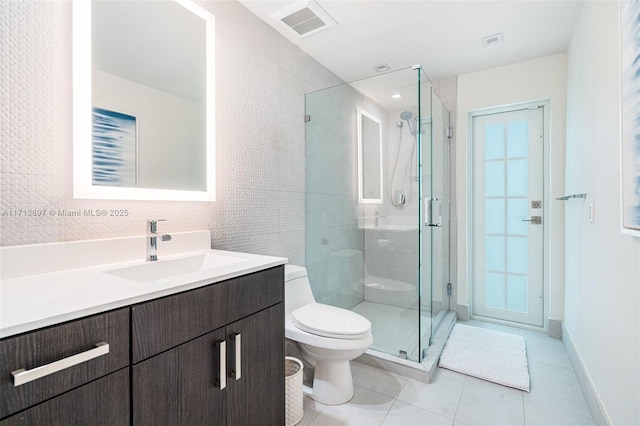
(535, 220)
(221, 380)
(237, 357)
(428, 212)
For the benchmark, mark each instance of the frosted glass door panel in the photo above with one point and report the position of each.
(508, 248)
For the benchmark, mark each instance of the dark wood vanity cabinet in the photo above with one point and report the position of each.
(211, 356)
(103, 402)
(183, 386)
(166, 362)
(93, 391)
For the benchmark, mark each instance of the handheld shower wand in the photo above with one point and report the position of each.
(406, 116)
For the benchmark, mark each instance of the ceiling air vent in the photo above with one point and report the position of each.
(304, 17)
(492, 39)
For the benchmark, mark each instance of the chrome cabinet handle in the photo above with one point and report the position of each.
(221, 380)
(237, 371)
(22, 376)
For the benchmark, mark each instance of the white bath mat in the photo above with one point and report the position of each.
(487, 354)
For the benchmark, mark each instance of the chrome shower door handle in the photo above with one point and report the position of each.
(221, 380)
(428, 212)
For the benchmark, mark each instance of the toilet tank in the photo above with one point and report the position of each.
(297, 290)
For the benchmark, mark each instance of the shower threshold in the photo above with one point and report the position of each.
(422, 371)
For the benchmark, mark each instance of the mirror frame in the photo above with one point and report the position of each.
(361, 199)
(82, 117)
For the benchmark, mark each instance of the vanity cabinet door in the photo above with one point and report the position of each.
(180, 386)
(257, 398)
(104, 402)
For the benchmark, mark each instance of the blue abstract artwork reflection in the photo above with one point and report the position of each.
(113, 148)
(630, 43)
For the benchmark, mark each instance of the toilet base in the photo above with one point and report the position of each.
(332, 383)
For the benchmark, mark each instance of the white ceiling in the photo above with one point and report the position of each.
(445, 37)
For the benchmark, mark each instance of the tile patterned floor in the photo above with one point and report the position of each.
(453, 399)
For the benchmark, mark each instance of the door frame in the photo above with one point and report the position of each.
(547, 199)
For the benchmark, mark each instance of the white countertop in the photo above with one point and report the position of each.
(34, 301)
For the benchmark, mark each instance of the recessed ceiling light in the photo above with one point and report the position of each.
(396, 95)
(382, 67)
(492, 39)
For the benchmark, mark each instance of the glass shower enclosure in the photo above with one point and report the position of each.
(377, 205)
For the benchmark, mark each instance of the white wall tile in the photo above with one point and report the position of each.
(261, 79)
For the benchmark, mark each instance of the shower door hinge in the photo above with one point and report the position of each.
(449, 132)
(449, 289)
(307, 118)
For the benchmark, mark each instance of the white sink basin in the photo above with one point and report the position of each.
(154, 271)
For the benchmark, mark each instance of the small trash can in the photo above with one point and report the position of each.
(293, 390)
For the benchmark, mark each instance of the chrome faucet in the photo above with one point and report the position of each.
(376, 219)
(152, 239)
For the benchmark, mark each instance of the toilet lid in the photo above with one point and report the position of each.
(329, 321)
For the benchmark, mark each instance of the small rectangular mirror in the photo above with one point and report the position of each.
(369, 158)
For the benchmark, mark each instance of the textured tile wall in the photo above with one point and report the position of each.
(261, 79)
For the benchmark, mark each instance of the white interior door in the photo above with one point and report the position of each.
(508, 237)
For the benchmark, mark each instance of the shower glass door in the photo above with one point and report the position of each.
(438, 182)
(367, 247)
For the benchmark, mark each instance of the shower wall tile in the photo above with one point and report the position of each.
(323, 142)
(326, 210)
(261, 79)
(399, 266)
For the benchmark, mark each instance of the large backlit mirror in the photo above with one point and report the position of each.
(369, 158)
(144, 119)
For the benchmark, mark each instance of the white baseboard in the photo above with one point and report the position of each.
(598, 413)
(463, 312)
(555, 329)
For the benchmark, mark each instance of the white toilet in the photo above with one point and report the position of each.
(328, 338)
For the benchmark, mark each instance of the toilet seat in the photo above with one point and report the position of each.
(330, 321)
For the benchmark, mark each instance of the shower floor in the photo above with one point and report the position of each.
(395, 329)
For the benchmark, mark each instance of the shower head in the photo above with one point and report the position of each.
(406, 116)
